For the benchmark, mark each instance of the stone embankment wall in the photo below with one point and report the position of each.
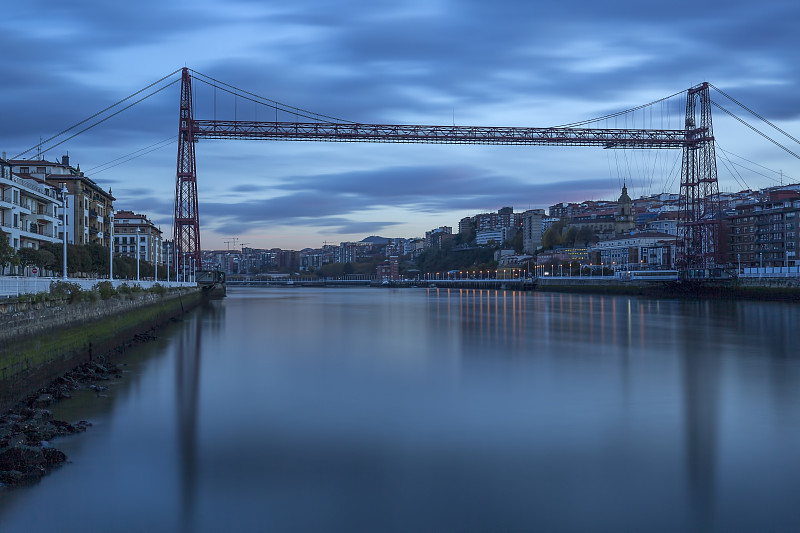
(39, 341)
(597, 286)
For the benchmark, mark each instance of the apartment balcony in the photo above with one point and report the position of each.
(25, 208)
(38, 234)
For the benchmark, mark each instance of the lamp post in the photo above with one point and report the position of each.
(156, 267)
(138, 230)
(167, 264)
(64, 218)
(111, 247)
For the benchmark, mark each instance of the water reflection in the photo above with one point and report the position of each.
(700, 376)
(188, 363)
(187, 383)
(430, 410)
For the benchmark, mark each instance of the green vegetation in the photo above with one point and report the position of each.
(64, 291)
(559, 234)
(434, 260)
(87, 260)
(7, 255)
(338, 270)
(66, 343)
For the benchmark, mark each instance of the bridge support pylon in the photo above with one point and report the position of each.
(698, 245)
(186, 229)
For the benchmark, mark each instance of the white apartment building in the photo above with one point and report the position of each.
(86, 203)
(636, 252)
(532, 230)
(498, 235)
(29, 209)
(132, 230)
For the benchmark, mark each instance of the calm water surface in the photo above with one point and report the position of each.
(437, 410)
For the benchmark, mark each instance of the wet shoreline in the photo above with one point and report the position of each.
(28, 429)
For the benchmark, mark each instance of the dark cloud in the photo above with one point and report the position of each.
(333, 200)
(529, 63)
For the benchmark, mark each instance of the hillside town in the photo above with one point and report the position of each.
(40, 198)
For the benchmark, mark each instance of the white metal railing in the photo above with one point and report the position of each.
(770, 272)
(16, 285)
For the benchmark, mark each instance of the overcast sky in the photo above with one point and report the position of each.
(468, 62)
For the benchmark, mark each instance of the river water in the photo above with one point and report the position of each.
(300, 409)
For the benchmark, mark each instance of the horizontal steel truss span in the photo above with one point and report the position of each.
(382, 133)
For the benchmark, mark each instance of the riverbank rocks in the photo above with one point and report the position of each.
(27, 429)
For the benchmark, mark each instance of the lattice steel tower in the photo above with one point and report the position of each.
(699, 218)
(187, 222)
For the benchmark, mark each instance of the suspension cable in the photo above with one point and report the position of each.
(84, 130)
(262, 100)
(732, 99)
(132, 155)
(41, 143)
(767, 137)
(612, 115)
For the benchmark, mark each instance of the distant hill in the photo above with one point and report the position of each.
(374, 239)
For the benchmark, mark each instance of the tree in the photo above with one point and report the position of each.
(7, 254)
(570, 236)
(553, 236)
(585, 236)
(516, 242)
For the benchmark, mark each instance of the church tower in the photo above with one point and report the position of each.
(623, 221)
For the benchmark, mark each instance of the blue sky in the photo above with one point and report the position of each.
(500, 63)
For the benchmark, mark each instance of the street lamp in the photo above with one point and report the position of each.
(156, 273)
(64, 219)
(111, 247)
(138, 230)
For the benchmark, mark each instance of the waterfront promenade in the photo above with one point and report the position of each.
(15, 285)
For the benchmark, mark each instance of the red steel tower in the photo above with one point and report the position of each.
(699, 218)
(187, 221)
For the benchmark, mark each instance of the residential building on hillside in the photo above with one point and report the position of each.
(466, 226)
(532, 230)
(636, 252)
(132, 230)
(504, 218)
(766, 233)
(389, 270)
(495, 235)
(665, 222)
(350, 252)
(547, 222)
(437, 238)
(562, 253)
(29, 209)
(86, 203)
